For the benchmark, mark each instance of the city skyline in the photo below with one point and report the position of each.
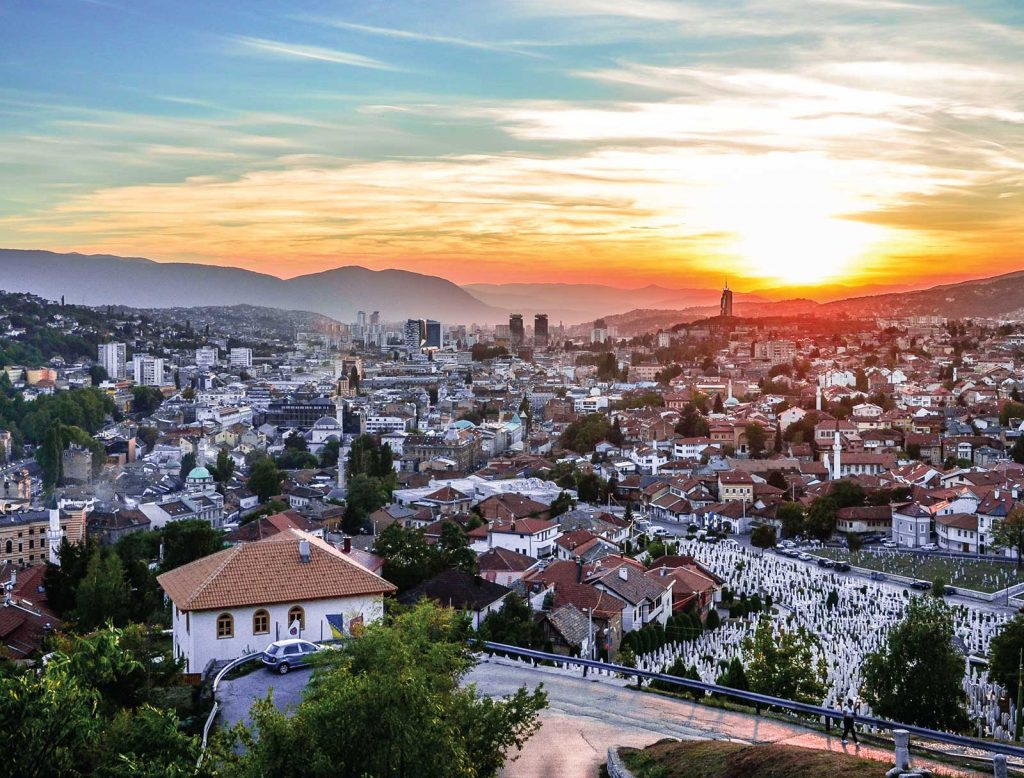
(855, 142)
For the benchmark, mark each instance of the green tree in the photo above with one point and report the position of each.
(401, 683)
(188, 463)
(915, 676)
(296, 459)
(189, 540)
(329, 453)
(854, 542)
(264, 479)
(513, 625)
(225, 466)
(1011, 410)
(408, 560)
(733, 675)
(791, 516)
(365, 495)
(97, 374)
(561, 504)
(452, 550)
(763, 536)
(84, 713)
(146, 399)
(787, 665)
(1005, 653)
(148, 436)
(756, 438)
(1009, 533)
(102, 596)
(821, 518)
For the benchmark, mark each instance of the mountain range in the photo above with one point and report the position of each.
(398, 294)
(100, 279)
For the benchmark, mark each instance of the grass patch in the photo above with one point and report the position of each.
(721, 759)
(979, 574)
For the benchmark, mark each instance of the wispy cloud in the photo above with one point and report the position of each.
(317, 53)
(511, 47)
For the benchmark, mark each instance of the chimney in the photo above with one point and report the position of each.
(624, 573)
(579, 569)
(347, 544)
(304, 550)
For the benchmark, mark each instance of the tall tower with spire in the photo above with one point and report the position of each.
(725, 308)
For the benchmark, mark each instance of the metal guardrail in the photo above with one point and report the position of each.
(759, 700)
(216, 705)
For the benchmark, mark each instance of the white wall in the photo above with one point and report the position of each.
(199, 644)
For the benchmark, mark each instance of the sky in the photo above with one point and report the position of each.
(767, 143)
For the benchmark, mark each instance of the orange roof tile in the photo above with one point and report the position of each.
(269, 571)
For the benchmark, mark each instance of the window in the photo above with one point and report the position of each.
(225, 626)
(296, 612)
(260, 622)
(9, 547)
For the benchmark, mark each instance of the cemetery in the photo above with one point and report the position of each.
(849, 616)
(962, 572)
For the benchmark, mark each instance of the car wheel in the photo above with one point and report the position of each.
(283, 668)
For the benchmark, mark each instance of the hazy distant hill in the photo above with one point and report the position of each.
(996, 297)
(575, 303)
(143, 283)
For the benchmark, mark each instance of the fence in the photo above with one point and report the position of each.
(764, 700)
(216, 705)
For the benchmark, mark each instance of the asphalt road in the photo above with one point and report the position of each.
(584, 717)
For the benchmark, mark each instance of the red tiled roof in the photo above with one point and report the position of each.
(269, 571)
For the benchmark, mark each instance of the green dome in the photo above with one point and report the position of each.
(199, 474)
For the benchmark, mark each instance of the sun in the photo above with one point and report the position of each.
(785, 224)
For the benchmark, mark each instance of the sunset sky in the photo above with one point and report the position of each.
(769, 142)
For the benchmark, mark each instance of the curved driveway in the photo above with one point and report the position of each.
(584, 718)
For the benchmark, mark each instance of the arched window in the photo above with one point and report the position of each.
(225, 626)
(260, 622)
(9, 547)
(296, 612)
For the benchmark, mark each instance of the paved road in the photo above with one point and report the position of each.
(583, 718)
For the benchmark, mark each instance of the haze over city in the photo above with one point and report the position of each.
(806, 143)
(512, 388)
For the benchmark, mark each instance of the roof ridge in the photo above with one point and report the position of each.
(228, 556)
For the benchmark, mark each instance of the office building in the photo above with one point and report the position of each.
(516, 330)
(415, 334)
(434, 335)
(111, 356)
(725, 308)
(207, 356)
(240, 357)
(540, 330)
(148, 370)
(599, 332)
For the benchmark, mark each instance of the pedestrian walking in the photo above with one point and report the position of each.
(848, 728)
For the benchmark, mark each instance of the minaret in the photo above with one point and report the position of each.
(817, 399)
(339, 411)
(343, 453)
(837, 448)
(54, 533)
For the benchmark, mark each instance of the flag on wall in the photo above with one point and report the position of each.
(337, 624)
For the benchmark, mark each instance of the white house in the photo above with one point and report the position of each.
(291, 584)
(911, 525)
(530, 537)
